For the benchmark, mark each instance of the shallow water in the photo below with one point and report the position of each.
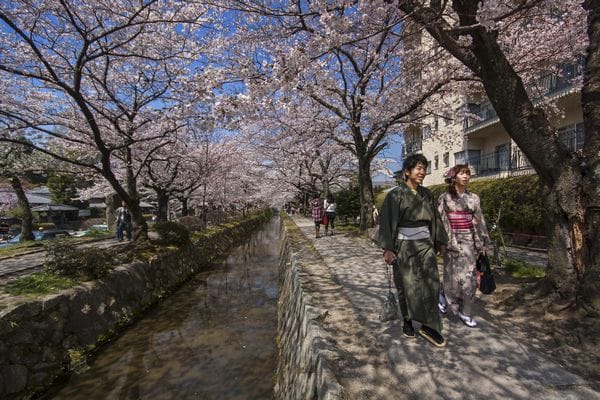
(213, 339)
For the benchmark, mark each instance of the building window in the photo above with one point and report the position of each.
(472, 158)
(446, 159)
(426, 132)
(460, 157)
(502, 157)
(436, 162)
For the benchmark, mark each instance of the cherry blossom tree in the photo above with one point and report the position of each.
(349, 60)
(505, 45)
(299, 149)
(175, 172)
(98, 82)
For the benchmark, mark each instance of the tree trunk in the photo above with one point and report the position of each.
(204, 209)
(365, 187)
(132, 200)
(564, 270)
(589, 290)
(162, 212)
(140, 227)
(185, 210)
(112, 202)
(23, 203)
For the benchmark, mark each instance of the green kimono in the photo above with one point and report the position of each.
(415, 274)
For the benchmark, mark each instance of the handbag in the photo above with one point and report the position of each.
(486, 280)
(389, 308)
(325, 220)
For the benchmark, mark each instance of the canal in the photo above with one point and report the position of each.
(212, 339)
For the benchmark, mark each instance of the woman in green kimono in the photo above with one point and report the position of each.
(410, 230)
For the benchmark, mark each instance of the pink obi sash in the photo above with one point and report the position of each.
(460, 219)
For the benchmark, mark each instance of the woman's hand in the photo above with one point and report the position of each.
(389, 257)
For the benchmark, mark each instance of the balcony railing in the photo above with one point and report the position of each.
(484, 114)
(547, 85)
(412, 147)
(499, 161)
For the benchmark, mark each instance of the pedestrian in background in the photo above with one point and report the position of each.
(123, 222)
(410, 230)
(317, 214)
(329, 206)
(468, 238)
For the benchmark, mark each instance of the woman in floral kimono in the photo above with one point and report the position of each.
(462, 217)
(410, 232)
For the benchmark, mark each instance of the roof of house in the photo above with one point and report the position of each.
(53, 207)
(33, 199)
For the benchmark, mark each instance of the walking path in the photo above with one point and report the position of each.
(376, 362)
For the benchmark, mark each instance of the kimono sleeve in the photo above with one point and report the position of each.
(438, 232)
(446, 222)
(479, 223)
(388, 220)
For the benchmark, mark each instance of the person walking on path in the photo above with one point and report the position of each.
(330, 207)
(461, 215)
(123, 222)
(317, 214)
(410, 230)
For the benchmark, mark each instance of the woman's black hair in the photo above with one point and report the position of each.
(330, 198)
(411, 162)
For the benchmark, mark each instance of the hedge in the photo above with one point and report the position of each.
(517, 198)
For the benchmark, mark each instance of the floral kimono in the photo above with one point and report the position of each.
(464, 222)
(411, 227)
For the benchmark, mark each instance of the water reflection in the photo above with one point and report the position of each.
(213, 339)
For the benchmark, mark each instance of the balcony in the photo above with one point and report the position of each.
(506, 161)
(484, 115)
(550, 85)
(412, 147)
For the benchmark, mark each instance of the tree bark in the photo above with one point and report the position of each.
(185, 210)
(365, 187)
(112, 202)
(589, 290)
(162, 212)
(132, 200)
(23, 203)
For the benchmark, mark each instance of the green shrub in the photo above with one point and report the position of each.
(522, 269)
(517, 199)
(86, 263)
(172, 233)
(348, 203)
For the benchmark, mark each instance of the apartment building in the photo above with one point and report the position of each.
(470, 132)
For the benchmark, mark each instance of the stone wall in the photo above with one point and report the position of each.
(304, 370)
(41, 339)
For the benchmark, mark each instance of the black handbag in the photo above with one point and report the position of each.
(487, 283)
